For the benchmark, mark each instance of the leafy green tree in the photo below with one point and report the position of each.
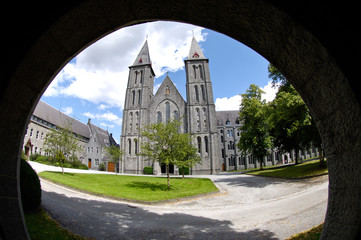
(115, 155)
(166, 145)
(61, 144)
(188, 155)
(254, 136)
(290, 121)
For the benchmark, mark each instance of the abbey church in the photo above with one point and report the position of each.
(197, 113)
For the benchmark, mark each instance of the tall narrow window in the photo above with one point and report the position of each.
(135, 146)
(159, 117)
(133, 97)
(167, 111)
(206, 143)
(136, 78)
(139, 97)
(197, 93)
(200, 71)
(130, 146)
(130, 122)
(195, 71)
(203, 93)
(199, 140)
(141, 78)
(198, 120)
(136, 121)
(175, 114)
(205, 118)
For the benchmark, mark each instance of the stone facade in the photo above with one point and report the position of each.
(90, 138)
(197, 114)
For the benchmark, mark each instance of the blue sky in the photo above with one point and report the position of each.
(93, 84)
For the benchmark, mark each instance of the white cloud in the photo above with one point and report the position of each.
(270, 92)
(227, 104)
(108, 116)
(67, 110)
(99, 74)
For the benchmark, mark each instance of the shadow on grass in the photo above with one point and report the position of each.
(149, 186)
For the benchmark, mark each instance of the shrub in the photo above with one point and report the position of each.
(185, 169)
(102, 167)
(29, 186)
(148, 170)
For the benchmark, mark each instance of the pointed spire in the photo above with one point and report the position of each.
(143, 56)
(195, 51)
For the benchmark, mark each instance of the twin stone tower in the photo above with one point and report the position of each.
(143, 107)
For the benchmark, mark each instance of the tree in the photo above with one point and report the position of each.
(290, 121)
(188, 154)
(254, 136)
(166, 145)
(115, 154)
(61, 144)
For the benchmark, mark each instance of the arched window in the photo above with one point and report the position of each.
(199, 140)
(195, 71)
(135, 146)
(198, 120)
(159, 117)
(167, 90)
(167, 111)
(203, 93)
(205, 118)
(129, 146)
(141, 77)
(136, 78)
(175, 114)
(197, 93)
(206, 143)
(139, 97)
(133, 97)
(136, 121)
(200, 71)
(130, 122)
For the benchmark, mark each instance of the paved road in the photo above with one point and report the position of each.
(247, 207)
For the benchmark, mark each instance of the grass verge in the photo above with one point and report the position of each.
(139, 188)
(41, 226)
(306, 169)
(311, 234)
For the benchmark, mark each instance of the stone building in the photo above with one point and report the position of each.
(233, 159)
(90, 138)
(197, 113)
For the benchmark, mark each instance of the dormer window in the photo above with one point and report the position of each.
(140, 60)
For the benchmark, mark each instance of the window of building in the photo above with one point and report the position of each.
(31, 132)
(203, 93)
(167, 111)
(136, 146)
(206, 143)
(133, 97)
(136, 78)
(197, 93)
(97, 150)
(139, 97)
(198, 120)
(200, 72)
(159, 117)
(141, 78)
(129, 146)
(167, 90)
(199, 140)
(96, 162)
(195, 71)
(175, 114)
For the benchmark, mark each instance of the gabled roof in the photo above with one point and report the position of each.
(173, 91)
(195, 51)
(54, 116)
(143, 56)
(224, 116)
(101, 134)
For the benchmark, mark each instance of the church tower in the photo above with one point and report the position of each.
(138, 97)
(201, 110)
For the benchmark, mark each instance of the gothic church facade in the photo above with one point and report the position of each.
(197, 113)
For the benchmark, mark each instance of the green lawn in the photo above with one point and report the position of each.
(140, 188)
(306, 169)
(41, 226)
(311, 234)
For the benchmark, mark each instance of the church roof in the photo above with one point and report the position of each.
(143, 56)
(224, 116)
(195, 51)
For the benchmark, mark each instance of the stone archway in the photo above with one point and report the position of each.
(298, 47)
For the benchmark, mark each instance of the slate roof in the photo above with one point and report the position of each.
(195, 51)
(223, 116)
(54, 116)
(143, 56)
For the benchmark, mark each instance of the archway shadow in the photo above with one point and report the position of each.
(109, 220)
